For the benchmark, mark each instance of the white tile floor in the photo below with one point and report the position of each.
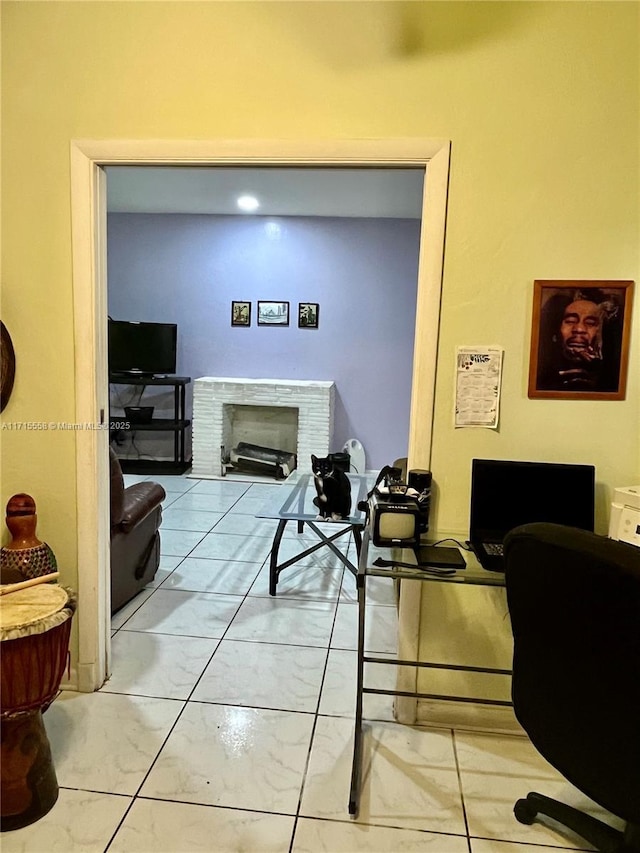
(227, 722)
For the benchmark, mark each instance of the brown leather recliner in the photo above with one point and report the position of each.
(136, 515)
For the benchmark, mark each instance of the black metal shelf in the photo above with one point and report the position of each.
(178, 425)
(153, 466)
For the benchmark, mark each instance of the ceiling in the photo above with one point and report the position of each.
(363, 192)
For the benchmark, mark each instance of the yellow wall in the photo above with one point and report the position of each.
(540, 101)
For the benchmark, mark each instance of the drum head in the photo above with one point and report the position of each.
(26, 607)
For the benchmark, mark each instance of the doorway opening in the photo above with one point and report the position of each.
(88, 159)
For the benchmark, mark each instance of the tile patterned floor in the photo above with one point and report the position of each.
(227, 722)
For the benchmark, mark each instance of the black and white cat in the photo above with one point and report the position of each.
(333, 488)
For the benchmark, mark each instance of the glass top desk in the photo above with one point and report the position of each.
(399, 569)
(473, 574)
(294, 502)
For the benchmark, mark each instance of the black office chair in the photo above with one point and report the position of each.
(574, 601)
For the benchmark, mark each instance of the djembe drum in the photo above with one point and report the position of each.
(35, 624)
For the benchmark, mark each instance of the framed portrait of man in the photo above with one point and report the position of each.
(580, 339)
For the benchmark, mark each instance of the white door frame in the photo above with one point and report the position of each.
(88, 212)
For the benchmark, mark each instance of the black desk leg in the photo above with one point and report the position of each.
(356, 769)
(357, 538)
(273, 563)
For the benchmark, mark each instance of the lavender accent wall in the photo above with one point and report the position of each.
(363, 272)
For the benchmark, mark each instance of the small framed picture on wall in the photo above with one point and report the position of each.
(580, 339)
(240, 313)
(273, 313)
(308, 313)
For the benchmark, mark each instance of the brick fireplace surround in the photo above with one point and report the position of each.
(313, 399)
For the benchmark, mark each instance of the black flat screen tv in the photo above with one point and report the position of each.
(142, 348)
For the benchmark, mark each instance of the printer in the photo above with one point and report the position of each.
(624, 524)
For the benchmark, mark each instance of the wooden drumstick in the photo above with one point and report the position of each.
(14, 587)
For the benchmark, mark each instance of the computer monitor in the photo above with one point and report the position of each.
(505, 494)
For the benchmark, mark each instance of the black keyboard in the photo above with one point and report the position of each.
(494, 548)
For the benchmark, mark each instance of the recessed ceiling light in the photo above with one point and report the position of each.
(248, 203)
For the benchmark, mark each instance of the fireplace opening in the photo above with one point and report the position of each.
(259, 439)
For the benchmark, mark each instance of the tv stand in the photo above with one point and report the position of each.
(131, 374)
(178, 425)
